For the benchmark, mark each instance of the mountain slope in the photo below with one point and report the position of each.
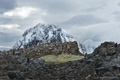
(43, 33)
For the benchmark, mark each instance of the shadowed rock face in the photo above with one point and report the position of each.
(102, 64)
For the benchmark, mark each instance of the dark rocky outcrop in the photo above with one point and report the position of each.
(102, 64)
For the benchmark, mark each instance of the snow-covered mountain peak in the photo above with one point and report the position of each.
(40, 27)
(43, 33)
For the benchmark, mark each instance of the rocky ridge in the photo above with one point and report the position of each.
(48, 48)
(102, 64)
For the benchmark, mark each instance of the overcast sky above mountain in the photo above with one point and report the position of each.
(90, 21)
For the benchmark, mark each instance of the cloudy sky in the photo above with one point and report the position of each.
(89, 21)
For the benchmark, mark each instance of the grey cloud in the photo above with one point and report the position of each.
(56, 6)
(53, 6)
(95, 8)
(117, 15)
(119, 4)
(24, 23)
(63, 6)
(83, 20)
(92, 9)
(4, 20)
(8, 39)
(6, 5)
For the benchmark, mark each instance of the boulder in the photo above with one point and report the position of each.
(111, 51)
(15, 75)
